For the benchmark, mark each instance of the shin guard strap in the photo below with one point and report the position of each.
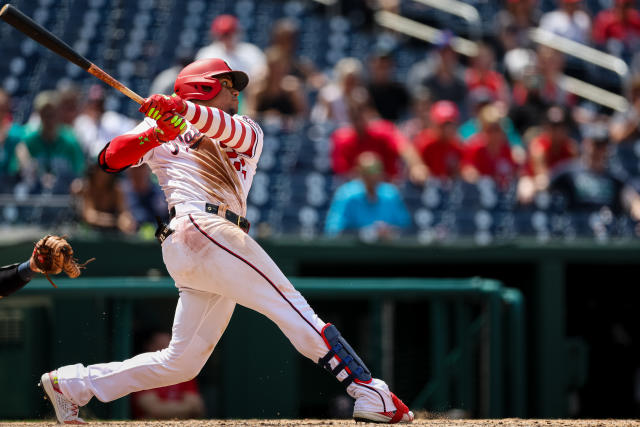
(347, 358)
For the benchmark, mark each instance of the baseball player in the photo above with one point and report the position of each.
(205, 157)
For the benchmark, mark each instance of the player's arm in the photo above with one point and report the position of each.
(14, 277)
(239, 133)
(126, 150)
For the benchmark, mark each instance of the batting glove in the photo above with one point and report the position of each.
(157, 105)
(169, 126)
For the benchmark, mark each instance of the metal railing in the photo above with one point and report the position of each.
(580, 51)
(466, 47)
(424, 32)
(460, 9)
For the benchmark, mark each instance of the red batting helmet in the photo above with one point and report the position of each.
(198, 79)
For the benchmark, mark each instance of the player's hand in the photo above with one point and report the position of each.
(169, 126)
(157, 105)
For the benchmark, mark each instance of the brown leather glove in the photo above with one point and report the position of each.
(53, 254)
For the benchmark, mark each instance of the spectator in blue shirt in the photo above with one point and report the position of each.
(367, 205)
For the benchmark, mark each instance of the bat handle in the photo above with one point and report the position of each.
(99, 73)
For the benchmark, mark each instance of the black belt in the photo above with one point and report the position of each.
(233, 217)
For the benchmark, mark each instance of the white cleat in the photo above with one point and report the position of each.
(66, 410)
(376, 404)
(402, 414)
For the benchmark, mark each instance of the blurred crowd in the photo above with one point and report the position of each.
(500, 114)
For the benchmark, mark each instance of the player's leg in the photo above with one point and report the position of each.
(199, 322)
(245, 273)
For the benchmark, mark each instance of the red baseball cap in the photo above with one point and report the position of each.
(444, 112)
(224, 24)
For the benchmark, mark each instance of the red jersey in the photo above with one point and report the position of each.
(492, 81)
(380, 136)
(165, 394)
(441, 156)
(499, 165)
(608, 25)
(553, 155)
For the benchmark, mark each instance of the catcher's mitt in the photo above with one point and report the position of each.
(53, 254)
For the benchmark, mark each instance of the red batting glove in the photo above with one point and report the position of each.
(157, 105)
(169, 126)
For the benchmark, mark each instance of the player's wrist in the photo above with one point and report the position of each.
(150, 136)
(27, 269)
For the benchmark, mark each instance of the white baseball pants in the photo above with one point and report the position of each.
(215, 265)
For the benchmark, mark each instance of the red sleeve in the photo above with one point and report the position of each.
(125, 150)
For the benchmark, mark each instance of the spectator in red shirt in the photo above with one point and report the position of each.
(482, 74)
(621, 22)
(439, 146)
(553, 146)
(367, 132)
(547, 151)
(181, 401)
(488, 153)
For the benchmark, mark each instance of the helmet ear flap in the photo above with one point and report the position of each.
(200, 89)
(215, 87)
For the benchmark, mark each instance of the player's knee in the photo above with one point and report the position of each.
(182, 366)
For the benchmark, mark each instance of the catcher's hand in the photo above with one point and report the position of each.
(53, 254)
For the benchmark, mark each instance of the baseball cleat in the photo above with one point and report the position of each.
(401, 415)
(66, 410)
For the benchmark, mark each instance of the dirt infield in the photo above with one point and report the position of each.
(511, 422)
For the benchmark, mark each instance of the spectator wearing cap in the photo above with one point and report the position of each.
(367, 132)
(587, 184)
(569, 21)
(487, 154)
(619, 23)
(482, 74)
(242, 56)
(389, 96)
(367, 203)
(478, 99)
(446, 83)
(48, 155)
(548, 151)
(10, 134)
(96, 126)
(439, 146)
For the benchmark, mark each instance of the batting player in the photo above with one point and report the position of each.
(205, 157)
